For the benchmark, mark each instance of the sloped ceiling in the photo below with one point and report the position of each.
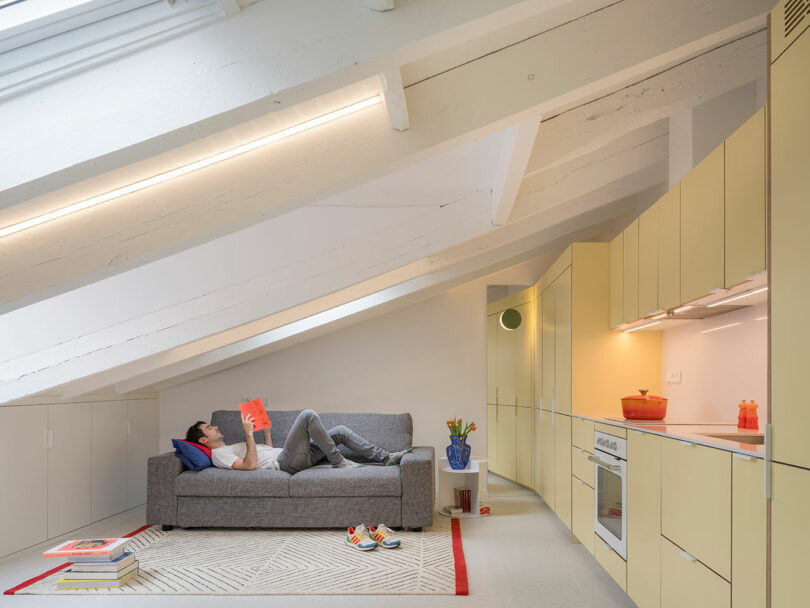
(273, 247)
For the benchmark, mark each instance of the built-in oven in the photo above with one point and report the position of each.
(610, 495)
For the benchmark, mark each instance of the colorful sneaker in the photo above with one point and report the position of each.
(384, 536)
(359, 539)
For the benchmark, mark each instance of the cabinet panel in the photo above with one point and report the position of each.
(142, 442)
(745, 200)
(669, 248)
(610, 561)
(549, 457)
(549, 358)
(582, 467)
(522, 340)
(630, 288)
(790, 537)
(507, 349)
(696, 502)
(702, 227)
(562, 466)
(617, 281)
(644, 519)
(582, 433)
(492, 358)
(562, 344)
(69, 460)
(790, 250)
(648, 262)
(689, 583)
(537, 352)
(24, 509)
(492, 437)
(748, 524)
(109, 458)
(538, 451)
(507, 438)
(582, 501)
(524, 446)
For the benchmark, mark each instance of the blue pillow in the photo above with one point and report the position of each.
(192, 455)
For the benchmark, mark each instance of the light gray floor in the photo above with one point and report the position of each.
(520, 556)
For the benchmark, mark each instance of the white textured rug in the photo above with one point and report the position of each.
(275, 562)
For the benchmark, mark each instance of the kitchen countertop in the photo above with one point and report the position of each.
(693, 433)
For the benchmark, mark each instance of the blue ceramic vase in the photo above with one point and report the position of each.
(458, 452)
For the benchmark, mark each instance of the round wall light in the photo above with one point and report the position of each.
(511, 319)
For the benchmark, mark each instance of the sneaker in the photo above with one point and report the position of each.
(395, 457)
(348, 464)
(359, 539)
(384, 536)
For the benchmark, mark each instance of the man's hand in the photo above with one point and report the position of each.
(249, 462)
(247, 424)
(268, 438)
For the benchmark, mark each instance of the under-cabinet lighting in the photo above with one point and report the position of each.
(708, 331)
(681, 309)
(661, 316)
(743, 295)
(185, 169)
(627, 331)
(761, 318)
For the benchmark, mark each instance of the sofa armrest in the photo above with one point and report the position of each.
(161, 501)
(417, 473)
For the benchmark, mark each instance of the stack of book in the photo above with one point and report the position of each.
(99, 563)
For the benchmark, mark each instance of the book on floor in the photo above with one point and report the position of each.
(102, 549)
(116, 565)
(256, 409)
(64, 583)
(80, 575)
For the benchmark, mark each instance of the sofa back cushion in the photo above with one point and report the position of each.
(392, 432)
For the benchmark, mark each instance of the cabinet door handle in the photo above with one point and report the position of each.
(48, 439)
(638, 432)
(579, 481)
(607, 546)
(743, 456)
(688, 557)
(515, 407)
(688, 444)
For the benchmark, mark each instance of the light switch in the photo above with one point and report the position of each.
(674, 377)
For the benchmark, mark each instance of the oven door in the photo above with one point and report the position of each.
(610, 521)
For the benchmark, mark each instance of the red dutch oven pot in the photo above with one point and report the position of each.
(644, 406)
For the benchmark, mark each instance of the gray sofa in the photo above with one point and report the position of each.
(319, 497)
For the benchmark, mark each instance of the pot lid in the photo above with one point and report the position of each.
(644, 396)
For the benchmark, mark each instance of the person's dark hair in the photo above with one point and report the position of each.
(195, 432)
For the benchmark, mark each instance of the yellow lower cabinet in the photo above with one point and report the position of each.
(582, 507)
(582, 433)
(492, 437)
(696, 502)
(748, 532)
(548, 448)
(790, 537)
(562, 465)
(524, 446)
(611, 561)
(507, 438)
(685, 582)
(581, 466)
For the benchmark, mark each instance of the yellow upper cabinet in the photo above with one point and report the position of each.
(630, 273)
(648, 262)
(617, 281)
(702, 227)
(745, 200)
(669, 248)
(562, 343)
(492, 358)
(523, 337)
(508, 355)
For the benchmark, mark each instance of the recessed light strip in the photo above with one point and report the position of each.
(739, 297)
(627, 331)
(185, 169)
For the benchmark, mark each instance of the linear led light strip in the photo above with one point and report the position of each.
(627, 331)
(744, 295)
(185, 169)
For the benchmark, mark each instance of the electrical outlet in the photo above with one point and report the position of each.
(674, 377)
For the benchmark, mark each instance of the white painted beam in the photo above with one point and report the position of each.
(393, 95)
(517, 147)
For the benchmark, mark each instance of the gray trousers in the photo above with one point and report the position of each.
(308, 443)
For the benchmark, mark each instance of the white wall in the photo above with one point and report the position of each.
(718, 369)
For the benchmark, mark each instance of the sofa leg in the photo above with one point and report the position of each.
(167, 528)
(419, 529)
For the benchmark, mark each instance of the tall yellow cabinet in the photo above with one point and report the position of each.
(790, 293)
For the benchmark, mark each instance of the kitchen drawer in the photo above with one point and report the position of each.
(582, 512)
(696, 502)
(611, 561)
(687, 582)
(616, 431)
(581, 467)
(582, 433)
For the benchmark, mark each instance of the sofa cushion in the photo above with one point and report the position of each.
(361, 481)
(229, 482)
(195, 457)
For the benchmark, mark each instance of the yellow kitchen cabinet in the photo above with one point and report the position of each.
(644, 518)
(609, 429)
(581, 467)
(537, 371)
(617, 281)
(790, 537)
(745, 201)
(562, 344)
(696, 502)
(562, 468)
(548, 357)
(523, 473)
(522, 339)
(582, 501)
(687, 582)
(668, 209)
(492, 358)
(648, 262)
(630, 272)
(748, 532)
(492, 437)
(611, 561)
(790, 247)
(507, 441)
(702, 227)
(508, 354)
(538, 451)
(548, 448)
(582, 433)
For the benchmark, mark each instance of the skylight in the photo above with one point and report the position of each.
(22, 15)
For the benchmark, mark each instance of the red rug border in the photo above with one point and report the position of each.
(31, 581)
(462, 586)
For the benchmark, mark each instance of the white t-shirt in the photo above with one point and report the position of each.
(266, 457)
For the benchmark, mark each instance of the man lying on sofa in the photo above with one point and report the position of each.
(308, 443)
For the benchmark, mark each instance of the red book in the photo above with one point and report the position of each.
(102, 548)
(256, 409)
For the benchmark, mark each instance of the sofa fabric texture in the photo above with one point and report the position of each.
(318, 497)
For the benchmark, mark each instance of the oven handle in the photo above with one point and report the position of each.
(605, 465)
